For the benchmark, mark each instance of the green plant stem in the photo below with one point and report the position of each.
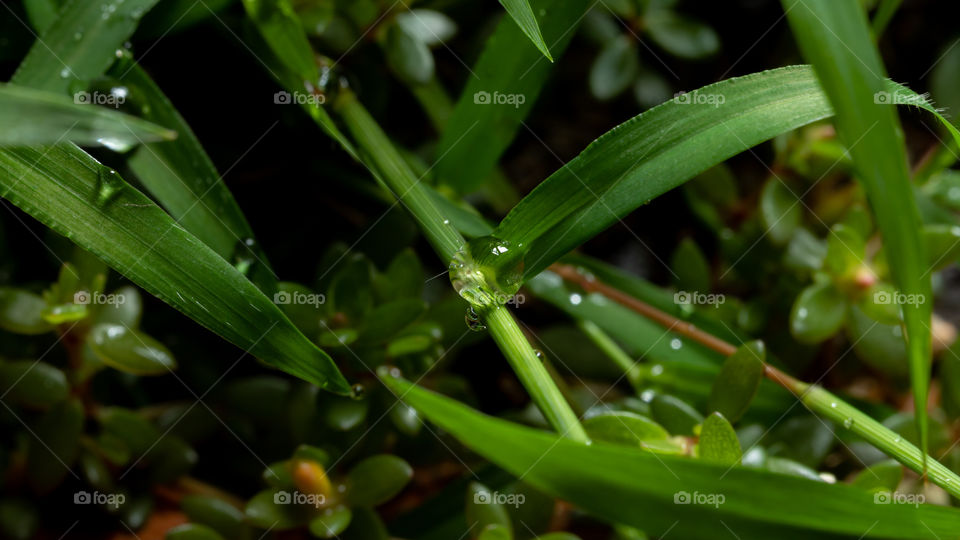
(397, 177)
(606, 344)
(826, 404)
(815, 398)
(392, 171)
(534, 376)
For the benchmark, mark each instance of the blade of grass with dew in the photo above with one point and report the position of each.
(73, 194)
(183, 179)
(522, 14)
(480, 130)
(35, 117)
(179, 174)
(611, 482)
(659, 150)
(71, 49)
(835, 37)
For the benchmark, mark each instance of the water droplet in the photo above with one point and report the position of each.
(116, 144)
(486, 271)
(78, 36)
(473, 321)
(833, 405)
(64, 73)
(357, 391)
(656, 370)
(539, 354)
(109, 186)
(575, 299)
(897, 439)
(848, 422)
(676, 344)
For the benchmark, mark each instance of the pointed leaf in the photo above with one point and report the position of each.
(738, 381)
(522, 14)
(718, 441)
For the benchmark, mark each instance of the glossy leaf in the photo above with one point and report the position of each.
(192, 531)
(377, 479)
(738, 381)
(130, 351)
(615, 68)
(682, 36)
(625, 428)
(885, 475)
(817, 313)
(331, 522)
(780, 210)
(427, 26)
(409, 57)
(281, 28)
(33, 383)
(836, 38)
(215, 513)
(33, 117)
(483, 511)
(674, 414)
(718, 441)
(73, 194)
(691, 268)
(756, 503)
(522, 14)
(21, 312)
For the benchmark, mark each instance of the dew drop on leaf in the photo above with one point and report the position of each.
(109, 187)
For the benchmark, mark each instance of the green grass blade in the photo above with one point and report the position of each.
(73, 194)
(522, 14)
(34, 117)
(885, 12)
(183, 179)
(80, 43)
(480, 130)
(835, 37)
(612, 482)
(659, 150)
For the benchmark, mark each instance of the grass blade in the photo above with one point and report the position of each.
(80, 43)
(659, 150)
(71, 193)
(836, 38)
(612, 482)
(33, 117)
(183, 179)
(480, 130)
(522, 14)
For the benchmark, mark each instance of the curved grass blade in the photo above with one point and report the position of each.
(72, 48)
(183, 179)
(34, 117)
(480, 129)
(659, 150)
(70, 192)
(613, 482)
(836, 38)
(522, 14)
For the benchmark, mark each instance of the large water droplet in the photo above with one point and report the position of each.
(487, 271)
(109, 187)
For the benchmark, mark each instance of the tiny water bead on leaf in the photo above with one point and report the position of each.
(109, 187)
(487, 271)
(472, 318)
